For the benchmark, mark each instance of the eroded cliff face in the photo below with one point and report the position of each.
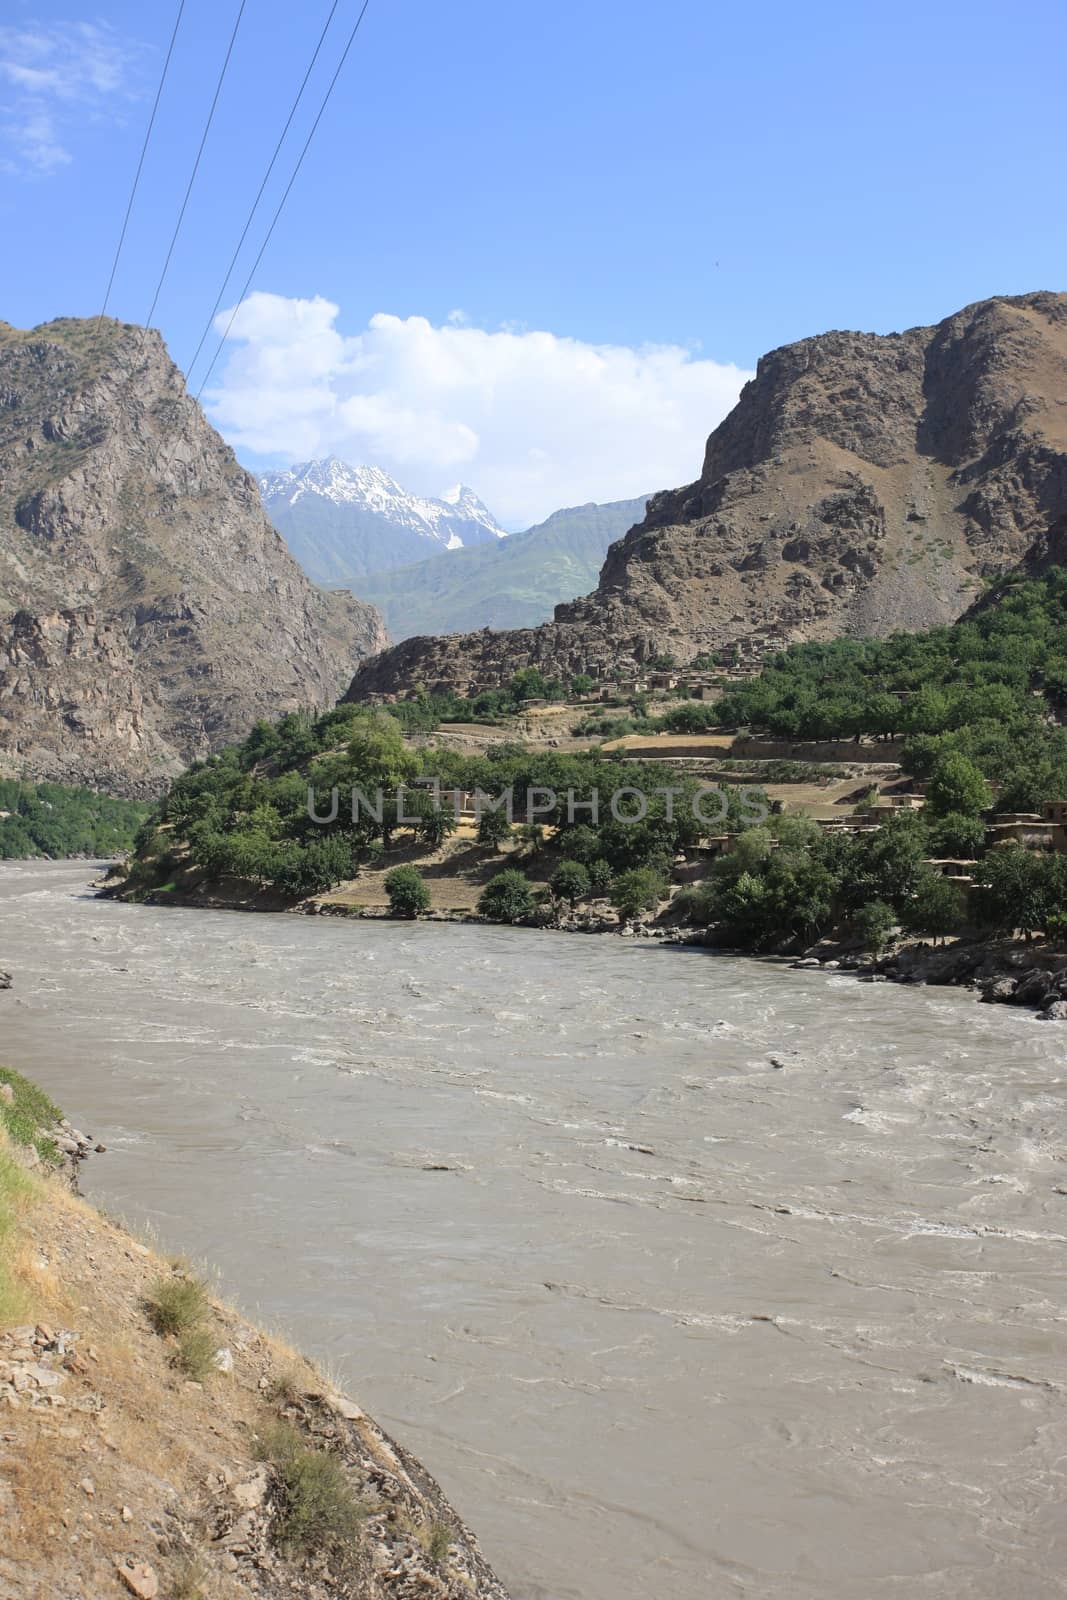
(149, 613)
(862, 484)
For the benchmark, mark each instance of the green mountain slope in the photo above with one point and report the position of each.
(515, 583)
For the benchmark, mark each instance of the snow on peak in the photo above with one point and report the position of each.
(456, 519)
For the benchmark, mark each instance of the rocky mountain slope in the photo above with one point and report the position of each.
(148, 610)
(342, 522)
(514, 583)
(862, 483)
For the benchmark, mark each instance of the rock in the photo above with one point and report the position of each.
(223, 1359)
(7, 1093)
(126, 1514)
(139, 1579)
(5, 983)
(1056, 1012)
(345, 1408)
(253, 1491)
(87, 1486)
(998, 989)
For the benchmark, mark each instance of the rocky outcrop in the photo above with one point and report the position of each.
(149, 613)
(862, 483)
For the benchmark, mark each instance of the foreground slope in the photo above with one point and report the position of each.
(514, 583)
(148, 610)
(862, 483)
(200, 1458)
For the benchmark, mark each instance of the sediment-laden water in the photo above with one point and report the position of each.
(688, 1276)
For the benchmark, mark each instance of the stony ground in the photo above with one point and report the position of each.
(120, 1475)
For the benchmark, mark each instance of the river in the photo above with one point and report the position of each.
(688, 1276)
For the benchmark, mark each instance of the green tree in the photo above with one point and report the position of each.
(935, 908)
(507, 897)
(379, 757)
(436, 826)
(874, 922)
(528, 684)
(408, 894)
(636, 891)
(493, 828)
(957, 836)
(581, 842)
(299, 871)
(956, 786)
(570, 882)
(1020, 890)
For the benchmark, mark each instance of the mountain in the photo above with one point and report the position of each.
(148, 610)
(342, 522)
(863, 483)
(513, 583)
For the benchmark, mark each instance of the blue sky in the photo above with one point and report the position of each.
(707, 180)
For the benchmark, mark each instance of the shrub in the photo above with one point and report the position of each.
(507, 897)
(599, 876)
(408, 894)
(570, 882)
(317, 1508)
(175, 1305)
(196, 1353)
(435, 1539)
(696, 903)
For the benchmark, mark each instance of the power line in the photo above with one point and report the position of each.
(196, 163)
(140, 166)
(285, 195)
(266, 179)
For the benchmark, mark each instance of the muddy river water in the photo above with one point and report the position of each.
(688, 1276)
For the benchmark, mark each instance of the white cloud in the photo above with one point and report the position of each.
(531, 420)
(52, 77)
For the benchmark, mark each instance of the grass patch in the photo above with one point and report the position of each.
(29, 1111)
(190, 1582)
(317, 1508)
(16, 1189)
(176, 1305)
(435, 1538)
(196, 1354)
(284, 1388)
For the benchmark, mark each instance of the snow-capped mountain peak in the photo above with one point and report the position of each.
(458, 518)
(343, 521)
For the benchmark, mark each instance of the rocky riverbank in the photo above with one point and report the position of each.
(1003, 972)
